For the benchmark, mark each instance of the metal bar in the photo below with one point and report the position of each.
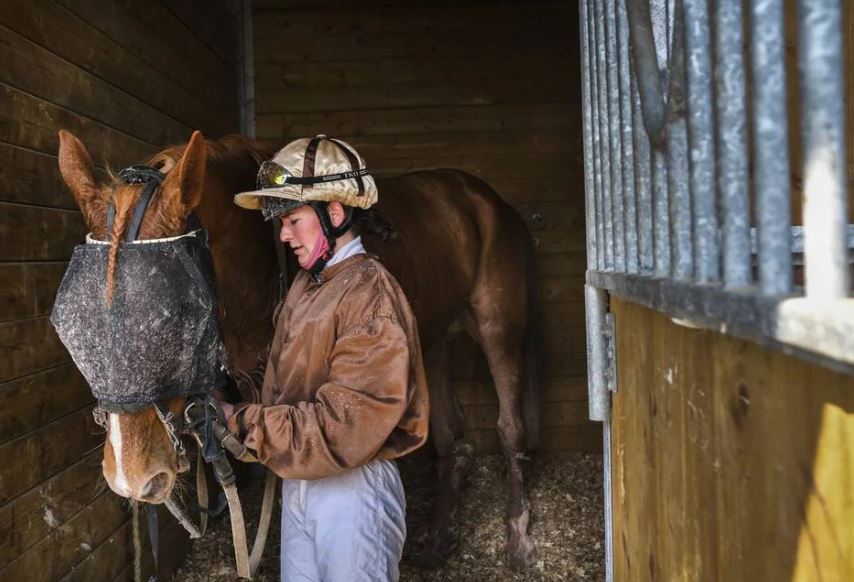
(587, 118)
(825, 166)
(628, 162)
(601, 250)
(597, 362)
(820, 332)
(770, 145)
(680, 198)
(604, 151)
(701, 133)
(677, 159)
(643, 184)
(609, 512)
(731, 118)
(615, 128)
(662, 22)
(661, 210)
(797, 238)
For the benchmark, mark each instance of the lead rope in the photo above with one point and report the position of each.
(247, 564)
(137, 547)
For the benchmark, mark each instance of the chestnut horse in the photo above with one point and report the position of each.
(462, 255)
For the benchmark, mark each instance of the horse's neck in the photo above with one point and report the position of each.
(247, 275)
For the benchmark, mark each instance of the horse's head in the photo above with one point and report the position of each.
(140, 460)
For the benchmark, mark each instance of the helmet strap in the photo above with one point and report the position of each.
(325, 246)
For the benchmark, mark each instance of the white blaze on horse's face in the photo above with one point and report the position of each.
(139, 459)
(119, 483)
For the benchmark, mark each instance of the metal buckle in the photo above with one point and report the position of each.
(100, 417)
(167, 418)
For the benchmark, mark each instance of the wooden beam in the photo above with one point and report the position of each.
(586, 438)
(152, 33)
(556, 414)
(396, 70)
(549, 36)
(555, 389)
(66, 546)
(38, 72)
(402, 18)
(414, 95)
(559, 364)
(33, 233)
(28, 289)
(47, 507)
(32, 123)
(29, 345)
(214, 24)
(56, 29)
(483, 117)
(31, 177)
(39, 455)
(38, 399)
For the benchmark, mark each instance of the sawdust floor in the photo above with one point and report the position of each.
(567, 525)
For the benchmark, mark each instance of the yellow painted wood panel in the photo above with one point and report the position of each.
(730, 462)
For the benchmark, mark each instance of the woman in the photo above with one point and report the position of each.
(344, 390)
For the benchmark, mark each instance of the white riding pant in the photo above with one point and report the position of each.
(346, 528)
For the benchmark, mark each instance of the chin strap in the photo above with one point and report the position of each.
(330, 232)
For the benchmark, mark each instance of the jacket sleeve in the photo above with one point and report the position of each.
(352, 415)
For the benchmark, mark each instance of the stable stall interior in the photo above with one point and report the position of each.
(488, 87)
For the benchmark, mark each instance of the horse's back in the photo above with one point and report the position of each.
(449, 224)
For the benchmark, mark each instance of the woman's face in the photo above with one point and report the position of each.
(302, 231)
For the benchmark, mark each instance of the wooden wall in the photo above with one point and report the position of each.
(730, 462)
(489, 87)
(127, 77)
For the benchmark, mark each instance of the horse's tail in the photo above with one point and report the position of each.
(533, 354)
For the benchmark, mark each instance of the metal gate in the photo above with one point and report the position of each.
(685, 132)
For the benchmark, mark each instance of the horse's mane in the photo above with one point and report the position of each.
(231, 148)
(219, 150)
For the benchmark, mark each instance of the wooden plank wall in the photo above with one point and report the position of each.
(489, 87)
(127, 77)
(730, 462)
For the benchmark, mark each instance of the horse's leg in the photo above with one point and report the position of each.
(501, 333)
(447, 425)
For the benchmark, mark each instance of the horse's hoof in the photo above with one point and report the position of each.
(520, 554)
(520, 548)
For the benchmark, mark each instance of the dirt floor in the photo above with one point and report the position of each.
(567, 525)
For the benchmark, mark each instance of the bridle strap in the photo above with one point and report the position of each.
(152, 179)
(214, 435)
(138, 174)
(139, 210)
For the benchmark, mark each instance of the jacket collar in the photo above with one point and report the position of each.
(330, 272)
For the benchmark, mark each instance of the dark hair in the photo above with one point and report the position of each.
(371, 223)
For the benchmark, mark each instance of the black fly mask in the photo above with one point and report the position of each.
(159, 336)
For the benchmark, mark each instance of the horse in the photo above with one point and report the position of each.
(449, 225)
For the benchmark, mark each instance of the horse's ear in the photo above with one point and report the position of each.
(78, 172)
(186, 182)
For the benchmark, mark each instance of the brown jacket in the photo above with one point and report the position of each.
(344, 382)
